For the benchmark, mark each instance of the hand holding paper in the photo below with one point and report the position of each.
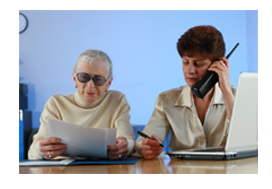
(82, 141)
(51, 147)
(118, 150)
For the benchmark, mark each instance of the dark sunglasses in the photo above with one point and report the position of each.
(84, 78)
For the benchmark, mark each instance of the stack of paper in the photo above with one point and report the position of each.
(82, 141)
(77, 161)
(27, 163)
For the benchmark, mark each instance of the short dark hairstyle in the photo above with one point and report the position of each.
(205, 40)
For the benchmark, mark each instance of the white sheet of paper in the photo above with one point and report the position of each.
(111, 136)
(46, 163)
(82, 141)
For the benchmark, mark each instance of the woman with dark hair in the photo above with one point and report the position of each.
(193, 122)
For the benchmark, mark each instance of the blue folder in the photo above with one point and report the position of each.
(44, 162)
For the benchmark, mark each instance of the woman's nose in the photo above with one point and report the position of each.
(91, 84)
(191, 69)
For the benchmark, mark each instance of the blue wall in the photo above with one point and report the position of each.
(141, 44)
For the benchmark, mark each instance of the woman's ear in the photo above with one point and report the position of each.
(109, 83)
(75, 79)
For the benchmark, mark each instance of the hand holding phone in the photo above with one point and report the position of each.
(201, 88)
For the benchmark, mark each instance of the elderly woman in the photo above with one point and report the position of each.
(193, 122)
(91, 105)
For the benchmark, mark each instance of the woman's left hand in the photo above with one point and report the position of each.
(119, 150)
(221, 67)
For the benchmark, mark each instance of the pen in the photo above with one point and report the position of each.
(146, 136)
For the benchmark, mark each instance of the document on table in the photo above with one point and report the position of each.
(27, 163)
(76, 161)
(82, 141)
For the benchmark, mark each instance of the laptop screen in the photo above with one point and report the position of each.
(243, 129)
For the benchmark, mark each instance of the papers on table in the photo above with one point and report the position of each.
(77, 161)
(26, 163)
(82, 141)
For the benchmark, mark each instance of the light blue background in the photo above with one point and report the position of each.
(141, 45)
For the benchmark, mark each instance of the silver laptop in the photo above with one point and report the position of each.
(242, 139)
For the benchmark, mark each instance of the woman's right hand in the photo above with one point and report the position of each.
(151, 148)
(51, 147)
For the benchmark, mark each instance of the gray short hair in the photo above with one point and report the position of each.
(92, 55)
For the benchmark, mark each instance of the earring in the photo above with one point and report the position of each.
(75, 86)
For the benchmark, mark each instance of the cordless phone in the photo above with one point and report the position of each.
(201, 88)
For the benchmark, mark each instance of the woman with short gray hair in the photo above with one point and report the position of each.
(92, 105)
